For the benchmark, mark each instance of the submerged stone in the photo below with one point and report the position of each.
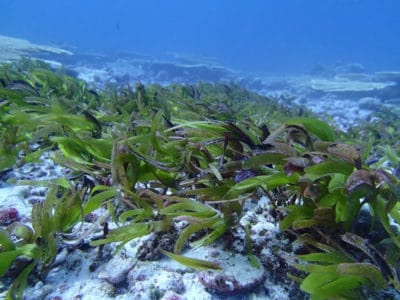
(8, 216)
(116, 270)
(237, 275)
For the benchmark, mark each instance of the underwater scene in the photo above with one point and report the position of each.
(183, 150)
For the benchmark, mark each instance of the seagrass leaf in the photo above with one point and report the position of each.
(188, 208)
(335, 257)
(236, 133)
(259, 160)
(21, 231)
(194, 263)
(315, 126)
(367, 270)
(378, 259)
(6, 244)
(329, 167)
(361, 180)
(218, 229)
(186, 234)
(98, 196)
(296, 214)
(124, 234)
(323, 285)
(7, 258)
(347, 153)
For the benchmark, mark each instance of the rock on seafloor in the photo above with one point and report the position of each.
(149, 281)
(237, 275)
(116, 270)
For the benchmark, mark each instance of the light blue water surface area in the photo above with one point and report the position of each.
(267, 36)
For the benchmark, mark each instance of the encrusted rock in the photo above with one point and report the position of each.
(116, 270)
(148, 280)
(229, 281)
(8, 216)
(149, 249)
(170, 295)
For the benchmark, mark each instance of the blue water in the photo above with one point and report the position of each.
(281, 36)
